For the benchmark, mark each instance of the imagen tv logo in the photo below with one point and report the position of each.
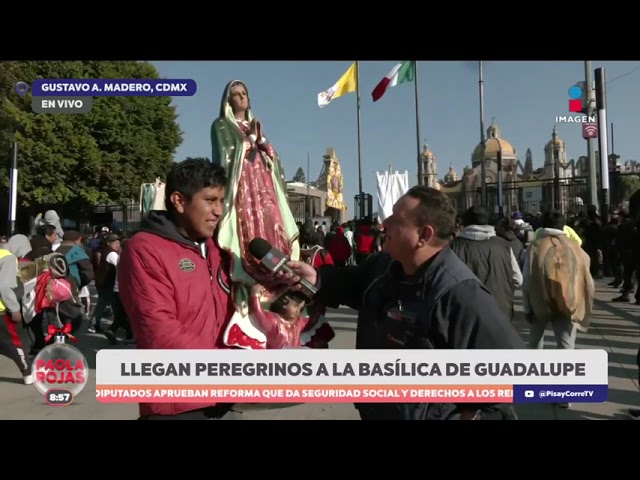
(575, 99)
(578, 103)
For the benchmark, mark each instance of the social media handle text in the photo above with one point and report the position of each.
(560, 393)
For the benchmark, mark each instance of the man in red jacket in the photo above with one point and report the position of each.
(173, 278)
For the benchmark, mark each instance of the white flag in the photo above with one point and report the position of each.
(391, 186)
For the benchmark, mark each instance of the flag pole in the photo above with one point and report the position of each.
(415, 86)
(360, 193)
(308, 186)
(13, 189)
(483, 164)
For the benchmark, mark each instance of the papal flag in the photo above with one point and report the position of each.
(347, 84)
(401, 73)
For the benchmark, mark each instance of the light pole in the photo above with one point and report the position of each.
(308, 209)
(591, 150)
(500, 181)
(603, 148)
(483, 166)
(13, 195)
(556, 173)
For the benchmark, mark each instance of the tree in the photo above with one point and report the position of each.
(300, 176)
(634, 206)
(82, 160)
(629, 184)
(207, 159)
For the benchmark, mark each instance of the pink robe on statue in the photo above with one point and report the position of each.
(258, 212)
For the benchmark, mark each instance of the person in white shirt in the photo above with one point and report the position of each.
(120, 318)
(85, 299)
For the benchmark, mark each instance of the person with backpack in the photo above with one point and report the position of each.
(311, 251)
(558, 288)
(80, 267)
(56, 297)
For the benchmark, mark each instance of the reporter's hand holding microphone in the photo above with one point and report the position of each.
(300, 276)
(299, 271)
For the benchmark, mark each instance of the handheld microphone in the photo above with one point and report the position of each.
(274, 260)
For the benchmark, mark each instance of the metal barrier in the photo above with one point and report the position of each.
(534, 196)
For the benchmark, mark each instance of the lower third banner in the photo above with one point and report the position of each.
(358, 376)
(307, 393)
(346, 394)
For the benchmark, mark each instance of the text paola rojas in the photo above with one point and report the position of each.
(60, 372)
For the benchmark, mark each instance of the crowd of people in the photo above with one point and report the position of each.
(598, 250)
(426, 278)
(350, 243)
(44, 285)
(410, 260)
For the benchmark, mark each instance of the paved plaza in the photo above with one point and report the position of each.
(615, 327)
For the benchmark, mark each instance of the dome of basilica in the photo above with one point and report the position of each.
(555, 141)
(427, 152)
(493, 144)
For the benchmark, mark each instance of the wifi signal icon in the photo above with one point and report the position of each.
(589, 130)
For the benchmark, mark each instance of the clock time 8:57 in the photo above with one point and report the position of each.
(58, 397)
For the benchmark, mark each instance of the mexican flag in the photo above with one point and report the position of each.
(401, 73)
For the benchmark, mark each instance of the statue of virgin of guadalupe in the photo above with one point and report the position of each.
(256, 206)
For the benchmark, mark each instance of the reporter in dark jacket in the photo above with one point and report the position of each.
(442, 303)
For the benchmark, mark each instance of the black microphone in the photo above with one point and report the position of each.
(274, 260)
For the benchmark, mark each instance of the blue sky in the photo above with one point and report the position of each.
(522, 97)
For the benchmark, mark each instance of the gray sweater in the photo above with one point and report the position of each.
(9, 282)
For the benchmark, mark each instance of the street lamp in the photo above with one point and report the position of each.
(483, 166)
(500, 193)
(13, 189)
(308, 202)
(556, 173)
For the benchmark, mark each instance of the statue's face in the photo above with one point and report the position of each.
(238, 98)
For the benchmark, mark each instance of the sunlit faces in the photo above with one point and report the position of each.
(404, 235)
(202, 212)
